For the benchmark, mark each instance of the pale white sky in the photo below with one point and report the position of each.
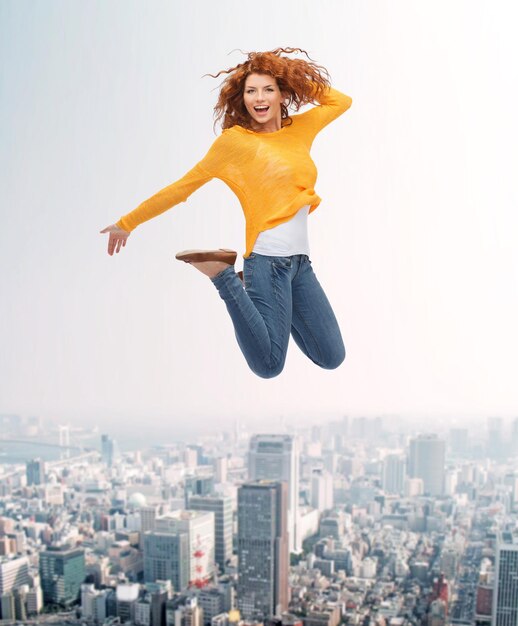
(103, 103)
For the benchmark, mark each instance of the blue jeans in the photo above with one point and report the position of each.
(281, 296)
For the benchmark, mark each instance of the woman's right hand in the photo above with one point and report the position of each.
(117, 238)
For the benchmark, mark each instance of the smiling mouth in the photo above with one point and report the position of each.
(261, 109)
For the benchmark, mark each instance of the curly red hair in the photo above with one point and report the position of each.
(303, 81)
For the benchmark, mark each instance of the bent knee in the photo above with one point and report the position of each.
(334, 359)
(267, 371)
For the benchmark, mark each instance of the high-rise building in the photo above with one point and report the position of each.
(148, 515)
(321, 490)
(367, 428)
(393, 474)
(127, 598)
(7, 607)
(166, 557)
(198, 486)
(199, 527)
(263, 556)
(426, 460)
(62, 570)
(109, 450)
(276, 457)
(220, 465)
(13, 573)
(505, 597)
(459, 439)
(222, 509)
(35, 472)
(495, 438)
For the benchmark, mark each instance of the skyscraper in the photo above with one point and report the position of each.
(166, 557)
(35, 472)
(109, 450)
(459, 439)
(62, 570)
(505, 597)
(263, 555)
(13, 573)
(321, 490)
(199, 528)
(222, 509)
(426, 460)
(276, 457)
(148, 515)
(393, 474)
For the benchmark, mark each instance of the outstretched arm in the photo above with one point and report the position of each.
(165, 199)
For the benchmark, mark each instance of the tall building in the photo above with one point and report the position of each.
(109, 450)
(426, 460)
(276, 457)
(393, 474)
(13, 573)
(127, 598)
(495, 438)
(263, 556)
(220, 465)
(62, 571)
(199, 528)
(198, 486)
(459, 440)
(35, 472)
(148, 515)
(321, 490)
(505, 597)
(222, 509)
(166, 557)
(7, 607)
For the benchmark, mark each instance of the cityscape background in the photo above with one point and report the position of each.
(350, 522)
(104, 103)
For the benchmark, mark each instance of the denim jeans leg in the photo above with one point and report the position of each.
(314, 326)
(261, 314)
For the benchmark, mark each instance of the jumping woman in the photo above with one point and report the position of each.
(263, 155)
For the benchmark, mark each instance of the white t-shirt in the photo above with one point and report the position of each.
(286, 239)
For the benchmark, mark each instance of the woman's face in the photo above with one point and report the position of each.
(263, 99)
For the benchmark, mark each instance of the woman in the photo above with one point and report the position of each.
(263, 155)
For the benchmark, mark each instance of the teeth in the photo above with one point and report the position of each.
(261, 108)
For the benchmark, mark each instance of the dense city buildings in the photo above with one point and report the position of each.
(390, 525)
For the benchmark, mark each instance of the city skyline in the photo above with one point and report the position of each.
(178, 534)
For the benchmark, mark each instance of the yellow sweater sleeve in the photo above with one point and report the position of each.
(176, 192)
(331, 104)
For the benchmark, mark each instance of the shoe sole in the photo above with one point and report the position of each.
(223, 255)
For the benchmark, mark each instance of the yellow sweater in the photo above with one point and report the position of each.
(272, 174)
